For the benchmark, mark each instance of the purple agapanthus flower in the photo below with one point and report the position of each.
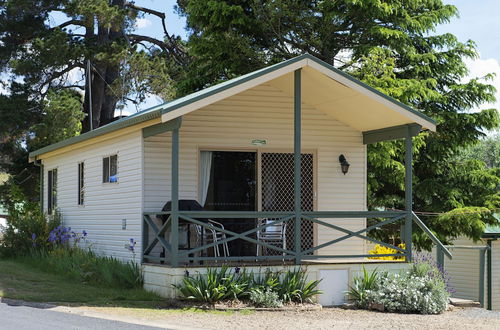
(84, 233)
(132, 245)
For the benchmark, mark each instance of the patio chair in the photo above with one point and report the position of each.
(207, 235)
(203, 235)
(274, 234)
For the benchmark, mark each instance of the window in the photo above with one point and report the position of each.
(81, 183)
(110, 169)
(52, 191)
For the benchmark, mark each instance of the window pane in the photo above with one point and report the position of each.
(105, 169)
(54, 188)
(49, 192)
(80, 183)
(113, 168)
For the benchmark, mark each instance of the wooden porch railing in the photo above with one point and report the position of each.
(173, 256)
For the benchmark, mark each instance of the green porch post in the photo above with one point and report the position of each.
(297, 162)
(408, 193)
(174, 234)
(482, 257)
(488, 276)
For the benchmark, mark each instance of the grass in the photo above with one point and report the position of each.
(21, 281)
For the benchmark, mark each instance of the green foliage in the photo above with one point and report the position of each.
(421, 290)
(265, 298)
(85, 266)
(410, 294)
(486, 150)
(62, 119)
(27, 228)
(220, 284)
(294, 287)
(362, 285)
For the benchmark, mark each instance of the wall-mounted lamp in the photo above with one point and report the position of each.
(344, 165)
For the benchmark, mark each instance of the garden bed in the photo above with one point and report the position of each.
(241, 306)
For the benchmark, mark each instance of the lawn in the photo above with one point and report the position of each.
(21, 281)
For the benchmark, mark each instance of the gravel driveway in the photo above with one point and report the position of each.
(328, 318)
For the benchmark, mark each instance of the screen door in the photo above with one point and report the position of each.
(277, 191)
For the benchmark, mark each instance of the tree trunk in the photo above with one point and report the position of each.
(103, 75)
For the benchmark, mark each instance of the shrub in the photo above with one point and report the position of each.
(216, 285)
(265, 298)
(420, 290)
(27, 228)
(381, 249)
(362, 285)
(222, 284)
(293, 287)
(409, 293)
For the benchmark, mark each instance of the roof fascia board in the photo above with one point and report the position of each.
(229, 90)
(390, 133)
(364, 89)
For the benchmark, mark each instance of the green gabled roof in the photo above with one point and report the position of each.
(493, 230)
(157, 111)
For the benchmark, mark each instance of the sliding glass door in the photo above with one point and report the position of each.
(232, 187)
(228, 182)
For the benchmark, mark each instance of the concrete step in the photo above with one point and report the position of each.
(459, 302)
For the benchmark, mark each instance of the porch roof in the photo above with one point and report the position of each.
(330, 90)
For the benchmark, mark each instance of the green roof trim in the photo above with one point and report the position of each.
(157, 111)
(493, 231)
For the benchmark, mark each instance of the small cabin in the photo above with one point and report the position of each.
(265, 170)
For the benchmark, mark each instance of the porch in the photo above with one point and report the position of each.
(187, 238)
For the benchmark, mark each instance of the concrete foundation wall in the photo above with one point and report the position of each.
(161, 279)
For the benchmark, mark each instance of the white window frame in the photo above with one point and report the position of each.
(106, 176)
(81, 184)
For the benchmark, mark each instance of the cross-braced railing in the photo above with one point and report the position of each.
(158, 238)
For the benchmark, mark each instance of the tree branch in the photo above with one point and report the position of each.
(73, 86)
(136, 38)
(70, 22)
(178, 53)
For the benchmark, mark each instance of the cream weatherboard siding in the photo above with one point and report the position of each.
(495, 275)
(106, 204)
(265, 112)
(463, 270)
